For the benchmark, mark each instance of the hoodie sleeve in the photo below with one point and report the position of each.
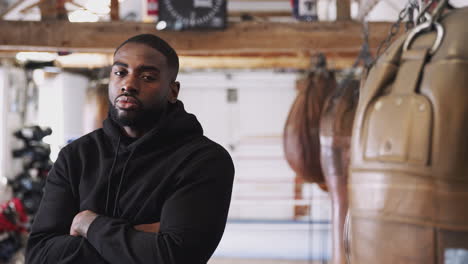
(193, 219)
(49, 241)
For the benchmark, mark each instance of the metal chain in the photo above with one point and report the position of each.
(395, 29)
(439, 10)
(423, 10)
(364, 56)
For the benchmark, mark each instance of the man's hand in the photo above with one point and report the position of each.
(150, 228)
(81, 223)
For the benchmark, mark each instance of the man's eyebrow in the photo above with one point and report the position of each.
(148, 68)
(139, 68)
(118, 63)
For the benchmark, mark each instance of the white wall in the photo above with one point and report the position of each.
(261, 218)
(3, 136)
(61, 102)
(3, 123)
(251, 129)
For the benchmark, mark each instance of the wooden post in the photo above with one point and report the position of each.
(48, 10)
(343, 10)
(114, 10)
(62, 13)
(52, 10)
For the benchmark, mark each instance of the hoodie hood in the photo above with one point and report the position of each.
(175, 125)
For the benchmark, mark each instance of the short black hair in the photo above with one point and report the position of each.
(158, 44)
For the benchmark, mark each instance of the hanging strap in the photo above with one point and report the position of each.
(411, 69)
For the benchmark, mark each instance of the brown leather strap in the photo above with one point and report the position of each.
(411, 69)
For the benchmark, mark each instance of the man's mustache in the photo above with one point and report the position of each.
(126, 94)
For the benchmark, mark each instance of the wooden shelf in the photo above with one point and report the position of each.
(250, 40)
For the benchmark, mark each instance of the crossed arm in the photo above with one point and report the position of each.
(83, 220)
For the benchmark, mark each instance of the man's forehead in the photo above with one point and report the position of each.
(137, 52)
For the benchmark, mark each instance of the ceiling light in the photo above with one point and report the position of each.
(36, 56)
(87, 60)
(161, 25)
(98, 7)
(82, 16)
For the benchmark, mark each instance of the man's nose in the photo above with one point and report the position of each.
(130, 85)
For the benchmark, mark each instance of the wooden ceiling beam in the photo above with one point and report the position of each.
(238, 38)
(343, 10)
(260, 62)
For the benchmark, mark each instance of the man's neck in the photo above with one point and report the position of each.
(134, 132)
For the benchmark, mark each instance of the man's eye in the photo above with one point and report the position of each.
(119, 73)
(148, 78)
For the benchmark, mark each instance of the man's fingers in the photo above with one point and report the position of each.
(150, 228)
(72, 228)
(73, 233)
(81, 223)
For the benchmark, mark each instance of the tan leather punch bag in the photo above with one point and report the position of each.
(301, 132)
(408, 185)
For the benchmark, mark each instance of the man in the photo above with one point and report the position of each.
(148, 187)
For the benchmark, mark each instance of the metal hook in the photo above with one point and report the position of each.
(423, 27)
(319, 62)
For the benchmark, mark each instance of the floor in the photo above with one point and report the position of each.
(261, 261)
(19, 259)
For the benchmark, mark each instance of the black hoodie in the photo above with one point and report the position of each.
(173, 175)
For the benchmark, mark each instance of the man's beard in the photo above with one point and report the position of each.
(141, 119)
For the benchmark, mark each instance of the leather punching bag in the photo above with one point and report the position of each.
(335, 136)
(301, 133)
(408, 185)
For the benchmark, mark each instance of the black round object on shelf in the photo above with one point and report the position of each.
(193, 14)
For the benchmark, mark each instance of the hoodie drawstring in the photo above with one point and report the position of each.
(122, 176)
(110, 174)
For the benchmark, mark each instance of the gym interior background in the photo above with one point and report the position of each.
(240, 78)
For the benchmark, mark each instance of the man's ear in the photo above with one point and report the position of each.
(174, 88)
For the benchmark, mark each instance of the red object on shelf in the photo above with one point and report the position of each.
(152, 7)
(13, 217)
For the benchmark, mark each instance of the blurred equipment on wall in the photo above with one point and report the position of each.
(96, 106)
(17, 214)
(197, 14)
(152, 11)
(28, 185)
(305, 10)
(13, 226)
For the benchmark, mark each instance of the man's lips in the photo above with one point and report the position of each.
(126, 102)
